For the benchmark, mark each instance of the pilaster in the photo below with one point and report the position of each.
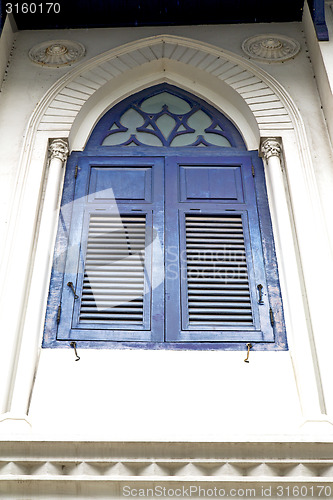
(299, 330)
(27, 348)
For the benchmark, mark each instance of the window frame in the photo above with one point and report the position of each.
(265, 227)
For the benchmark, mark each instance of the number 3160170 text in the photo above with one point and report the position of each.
(33, 8)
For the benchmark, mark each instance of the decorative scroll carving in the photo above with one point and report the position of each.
(271, 147)
(271, 48)
(57, 53)
(58, 149)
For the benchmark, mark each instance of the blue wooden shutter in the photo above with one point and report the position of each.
(115, 252)
(214, 257)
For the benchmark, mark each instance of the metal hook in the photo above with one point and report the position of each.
(70, 284)
(249, 346)
(260, 301)
(73, 344)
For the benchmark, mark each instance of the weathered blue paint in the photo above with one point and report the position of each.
(177, 323)
(215, 180)
(128, 184)
(317, 9)
(267, 239)
(87, 202)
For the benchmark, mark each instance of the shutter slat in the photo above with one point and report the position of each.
(214, 238)
(216, 303)
(134, 272)
(113, 284)
(104, 283)
(217, 276)
(216, 288)
(116, 296)
(109, 318)
(116, 265)
(117, 277)
(109, 303)
(226, 247)
(117, 220)
(221, 317)
(214, 244)
(113, 310)
(212, 271)
(208, 265)
(197, 219)
(214, 229)
(217, 320)
(220, 310)
(214, 280)
(124, 245)
(116, 254)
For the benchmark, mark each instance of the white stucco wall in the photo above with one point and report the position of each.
(160, 395)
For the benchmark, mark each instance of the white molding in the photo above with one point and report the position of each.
(54, 117)
(43, 467)
(217, 93)
(77, 86)
(7, 41)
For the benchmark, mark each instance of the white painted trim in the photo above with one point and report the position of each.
(244, 78)
(171, 54)
(6, 45)
(322, 78)
(291, 286)
(88, 469)
(40, 277)
(220, 95)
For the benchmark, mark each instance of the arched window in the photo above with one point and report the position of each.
(164, 237)
(165, 116)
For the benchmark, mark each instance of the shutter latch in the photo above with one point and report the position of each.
(58, 314)
(271, 316)
(71, 286)
(260, 301)
(249, 346)
(73, 344)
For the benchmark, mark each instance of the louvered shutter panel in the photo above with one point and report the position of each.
(115, 252)
(214, 266)
(113, 288)
(218, 291)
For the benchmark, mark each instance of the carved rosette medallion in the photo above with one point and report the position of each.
(271, 147)
(271, 48)
(58, 148)
(56, 53)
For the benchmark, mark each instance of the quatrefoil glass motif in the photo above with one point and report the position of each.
(165, 119)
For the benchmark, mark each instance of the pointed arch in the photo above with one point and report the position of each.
(211, 72)
(164, 115)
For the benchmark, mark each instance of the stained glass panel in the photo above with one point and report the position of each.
(166, 119)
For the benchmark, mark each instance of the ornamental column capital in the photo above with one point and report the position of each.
(59, 149)
(271, 147)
